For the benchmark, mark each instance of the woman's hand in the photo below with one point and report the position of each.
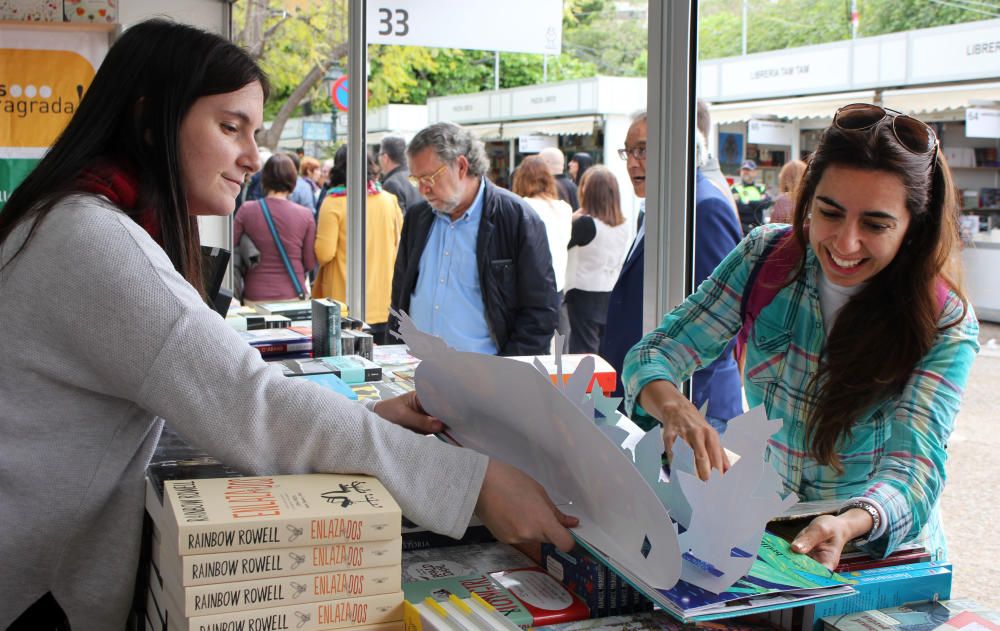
(405, 410)
(517, 509)
(679, 418)
(825, 537)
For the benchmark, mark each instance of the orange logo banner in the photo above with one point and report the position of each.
(39, 92)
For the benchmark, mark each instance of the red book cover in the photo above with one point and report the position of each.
(867, 563)
(543, 596)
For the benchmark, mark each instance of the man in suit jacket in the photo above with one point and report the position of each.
(395, 175)
(623, 326)
(717, 232)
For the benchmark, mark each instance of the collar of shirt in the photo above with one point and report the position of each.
(640, 233)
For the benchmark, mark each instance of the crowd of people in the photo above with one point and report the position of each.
(99, 351)
(293, 222)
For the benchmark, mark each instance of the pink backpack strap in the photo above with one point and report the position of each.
(941, 291)
(768, 276)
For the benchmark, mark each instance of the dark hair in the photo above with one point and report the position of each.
(584, 162)
(394, 148)
(599, 196)
(278, 174)
(338, 172)
(132, 112)
(532, 179)
(296, 160)
(897, 312)
(449, 141)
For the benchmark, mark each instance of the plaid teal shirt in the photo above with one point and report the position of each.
(896, 455)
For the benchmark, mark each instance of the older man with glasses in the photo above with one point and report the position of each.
(473, 266)
(717, 232)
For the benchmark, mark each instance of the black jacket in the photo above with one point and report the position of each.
(398, 183)
(515, 271)
(567, 190)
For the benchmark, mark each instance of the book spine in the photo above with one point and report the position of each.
(283, 533)
(207, 569)
(325, 328)
(373, 373)
(581, 574)
(421, 539)
(346, 613)
(288, 590)
(285, 347)
(347, 342)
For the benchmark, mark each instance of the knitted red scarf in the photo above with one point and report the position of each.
(119, 182)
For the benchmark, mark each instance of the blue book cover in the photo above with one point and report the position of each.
(878, 589)
(778, 579)
(333, 382)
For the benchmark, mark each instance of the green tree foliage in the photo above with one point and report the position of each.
(781, 24)
(296, 43)
(879, 17)
(597, 39)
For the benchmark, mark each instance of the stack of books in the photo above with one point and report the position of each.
(962, 613)
(304, 552)
(283, 343)
(520, 592)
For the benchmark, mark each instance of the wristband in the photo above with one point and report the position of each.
(871, 510)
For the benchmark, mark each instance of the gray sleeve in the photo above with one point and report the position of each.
(176, 358)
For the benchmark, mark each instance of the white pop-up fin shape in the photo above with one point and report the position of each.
(508, 410)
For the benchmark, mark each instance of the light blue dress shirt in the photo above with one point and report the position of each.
(448, 301)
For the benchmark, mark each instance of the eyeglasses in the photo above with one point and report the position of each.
(428, 180)
(639, 153)
(913, 135)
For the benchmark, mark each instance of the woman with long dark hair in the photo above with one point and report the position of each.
(862, 348)
(597, 249)
(578, 165)
(106, 332)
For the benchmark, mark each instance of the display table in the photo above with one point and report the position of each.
(981, 263)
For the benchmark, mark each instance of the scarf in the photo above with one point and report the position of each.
(374, 188)
(118, 181)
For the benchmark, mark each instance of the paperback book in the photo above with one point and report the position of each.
(292, 309)
(325, 327)
(202, 600)
(546, 600)
(778, 578)
(378, 390)
(462, 587)
(878, 588)
(345, 613)
(277, 341)
(202, 516)
(919, 616)
(223, 567)
(351, 369)
(432, 564)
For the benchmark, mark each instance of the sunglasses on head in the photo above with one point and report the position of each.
(913, 135)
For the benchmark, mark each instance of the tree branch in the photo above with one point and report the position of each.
(269, 137)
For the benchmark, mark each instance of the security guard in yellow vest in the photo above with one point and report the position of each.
(750, 196)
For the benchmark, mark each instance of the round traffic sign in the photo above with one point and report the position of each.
(338, 93)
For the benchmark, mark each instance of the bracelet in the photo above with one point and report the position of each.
(871, 510)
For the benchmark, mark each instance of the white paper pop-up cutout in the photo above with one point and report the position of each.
(512, 411)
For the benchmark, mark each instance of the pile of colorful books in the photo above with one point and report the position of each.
(303, 552)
